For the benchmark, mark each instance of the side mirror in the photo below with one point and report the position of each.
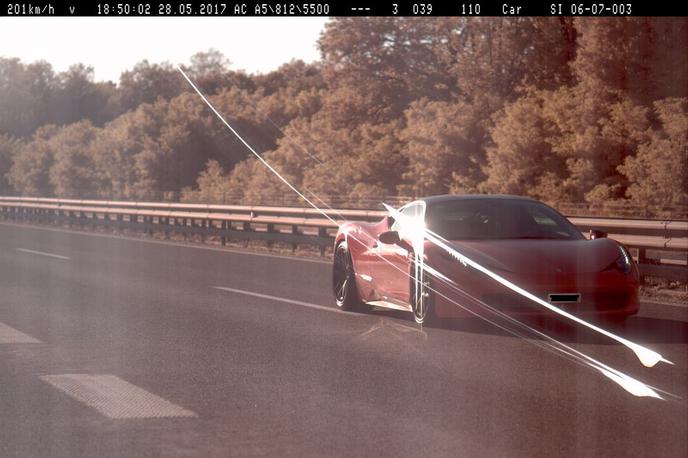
(390, 220)
(392, 238)
(597, 234)
(389, 237)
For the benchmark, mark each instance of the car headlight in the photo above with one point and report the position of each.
(624, 263)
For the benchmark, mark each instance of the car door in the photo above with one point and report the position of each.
(395, 261)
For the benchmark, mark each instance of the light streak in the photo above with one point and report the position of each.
(633, 386)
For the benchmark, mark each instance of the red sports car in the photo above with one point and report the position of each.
(521, 240)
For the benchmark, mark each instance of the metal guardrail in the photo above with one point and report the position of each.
(307, 226)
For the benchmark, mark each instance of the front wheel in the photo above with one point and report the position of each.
(344, 280)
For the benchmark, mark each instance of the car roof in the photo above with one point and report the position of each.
(430, 200)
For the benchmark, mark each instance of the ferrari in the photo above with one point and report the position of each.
(522, 240)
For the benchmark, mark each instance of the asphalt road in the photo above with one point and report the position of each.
(99, 333)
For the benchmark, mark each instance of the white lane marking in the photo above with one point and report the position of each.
(114, 397)
(42, 253)
(161, 242)
(10, 335)
(281, 299)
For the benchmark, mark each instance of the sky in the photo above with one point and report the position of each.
(112, 45)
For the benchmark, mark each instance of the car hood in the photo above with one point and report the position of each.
(542, 256)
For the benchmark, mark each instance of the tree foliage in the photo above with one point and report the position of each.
(561, 109)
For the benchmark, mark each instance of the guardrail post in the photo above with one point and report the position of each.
(322, 234)
(247, 228)
(642, 259)
(270, 230)
(295, 231)
(178, 225)
(223, 239)
(167, 227)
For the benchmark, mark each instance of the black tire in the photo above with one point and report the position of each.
(423, 301)
(344, 280)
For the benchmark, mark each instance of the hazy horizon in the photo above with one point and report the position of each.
(61, 41)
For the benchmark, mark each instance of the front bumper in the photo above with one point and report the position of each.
(605, 295)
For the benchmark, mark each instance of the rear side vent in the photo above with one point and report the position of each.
(564, 298)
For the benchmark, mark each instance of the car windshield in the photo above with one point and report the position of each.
(498, 219)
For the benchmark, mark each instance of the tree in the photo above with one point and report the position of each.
(30, 171)
(380, 65)
(493, 58)
(74, 173)
(443, 146)
(146, 82)
(28, 89)
(9, 148)
(658, 172)
(114, 149)
(647, 62)
(210, 71)
(521, 161)
(212, 186)
(79, 98)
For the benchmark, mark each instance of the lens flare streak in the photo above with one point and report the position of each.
(633, 386)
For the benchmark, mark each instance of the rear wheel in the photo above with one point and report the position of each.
(344, 280)
(422, 297)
